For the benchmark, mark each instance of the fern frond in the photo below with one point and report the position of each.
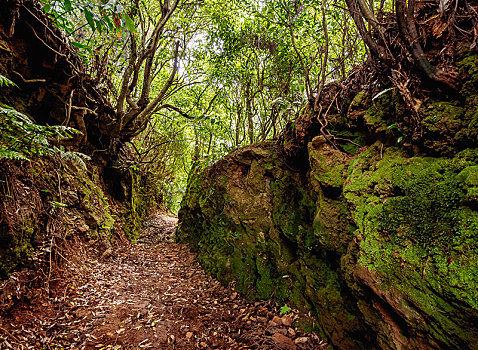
(64, 131)
(4, 81)
(10, 154)
(21, 137)
(41, 140)
(13, 113)
(76, 157)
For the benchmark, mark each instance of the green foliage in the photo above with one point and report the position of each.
(245, 79)
(284, 310)
(240, 79)
(73, 156)
(72, 16)
(264, 54)
(58, 204)
(4, 81)
(21, 138)
(103, 16)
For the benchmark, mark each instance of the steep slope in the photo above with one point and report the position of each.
(51, 200)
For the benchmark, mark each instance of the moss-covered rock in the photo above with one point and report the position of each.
(418, 246)
(381, 246)
(253, 221)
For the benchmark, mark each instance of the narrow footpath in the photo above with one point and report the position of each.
(149, 296)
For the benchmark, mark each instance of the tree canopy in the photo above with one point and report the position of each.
(188, 81)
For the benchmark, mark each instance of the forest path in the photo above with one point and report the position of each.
(152, 296)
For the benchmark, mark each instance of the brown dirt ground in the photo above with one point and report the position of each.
(147, 297)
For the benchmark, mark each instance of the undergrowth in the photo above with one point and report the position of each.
(21, 138)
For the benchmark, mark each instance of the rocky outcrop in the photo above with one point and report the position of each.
(379, 241)
(44, 203)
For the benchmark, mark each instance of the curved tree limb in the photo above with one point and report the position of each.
(167, 12)
(367, 38)
(139, 116)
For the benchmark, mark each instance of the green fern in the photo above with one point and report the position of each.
(64, 131)
(76, 157)
(4, 81)
(284, 310)
(21, 138)
(14, 115)
(9, 154)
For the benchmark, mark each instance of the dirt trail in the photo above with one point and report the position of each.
(152, 296)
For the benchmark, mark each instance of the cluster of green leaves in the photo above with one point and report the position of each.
(21, 138)
(73, 16)
(247, 68)
(284, 310)
(264, 54)
(250, 82)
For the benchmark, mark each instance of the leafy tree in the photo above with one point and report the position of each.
(189, 81)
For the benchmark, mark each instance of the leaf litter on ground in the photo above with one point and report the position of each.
(148, 296)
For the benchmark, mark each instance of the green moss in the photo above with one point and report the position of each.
(94, 204)
(16, 248)
(141, 195)
(468, 66)
(469, 180)
(349, 141)
(417, 227)
(276, 259)
(419, 234)
(360, 100)
(442, 116)
(378, 239)
(292, 210)
(333, 176)
(381, 111)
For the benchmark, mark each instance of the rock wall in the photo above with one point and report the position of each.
(380, 242)
(45, 202)
(57, 199)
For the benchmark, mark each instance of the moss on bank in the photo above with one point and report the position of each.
(47, 198)
(417, 229)
(253, 222)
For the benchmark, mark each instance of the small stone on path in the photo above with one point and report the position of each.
(283, 342)
(287, 320)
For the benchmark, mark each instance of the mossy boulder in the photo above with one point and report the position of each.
(375, 230)
(381, 246)
(253, 221)
(418, 242)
